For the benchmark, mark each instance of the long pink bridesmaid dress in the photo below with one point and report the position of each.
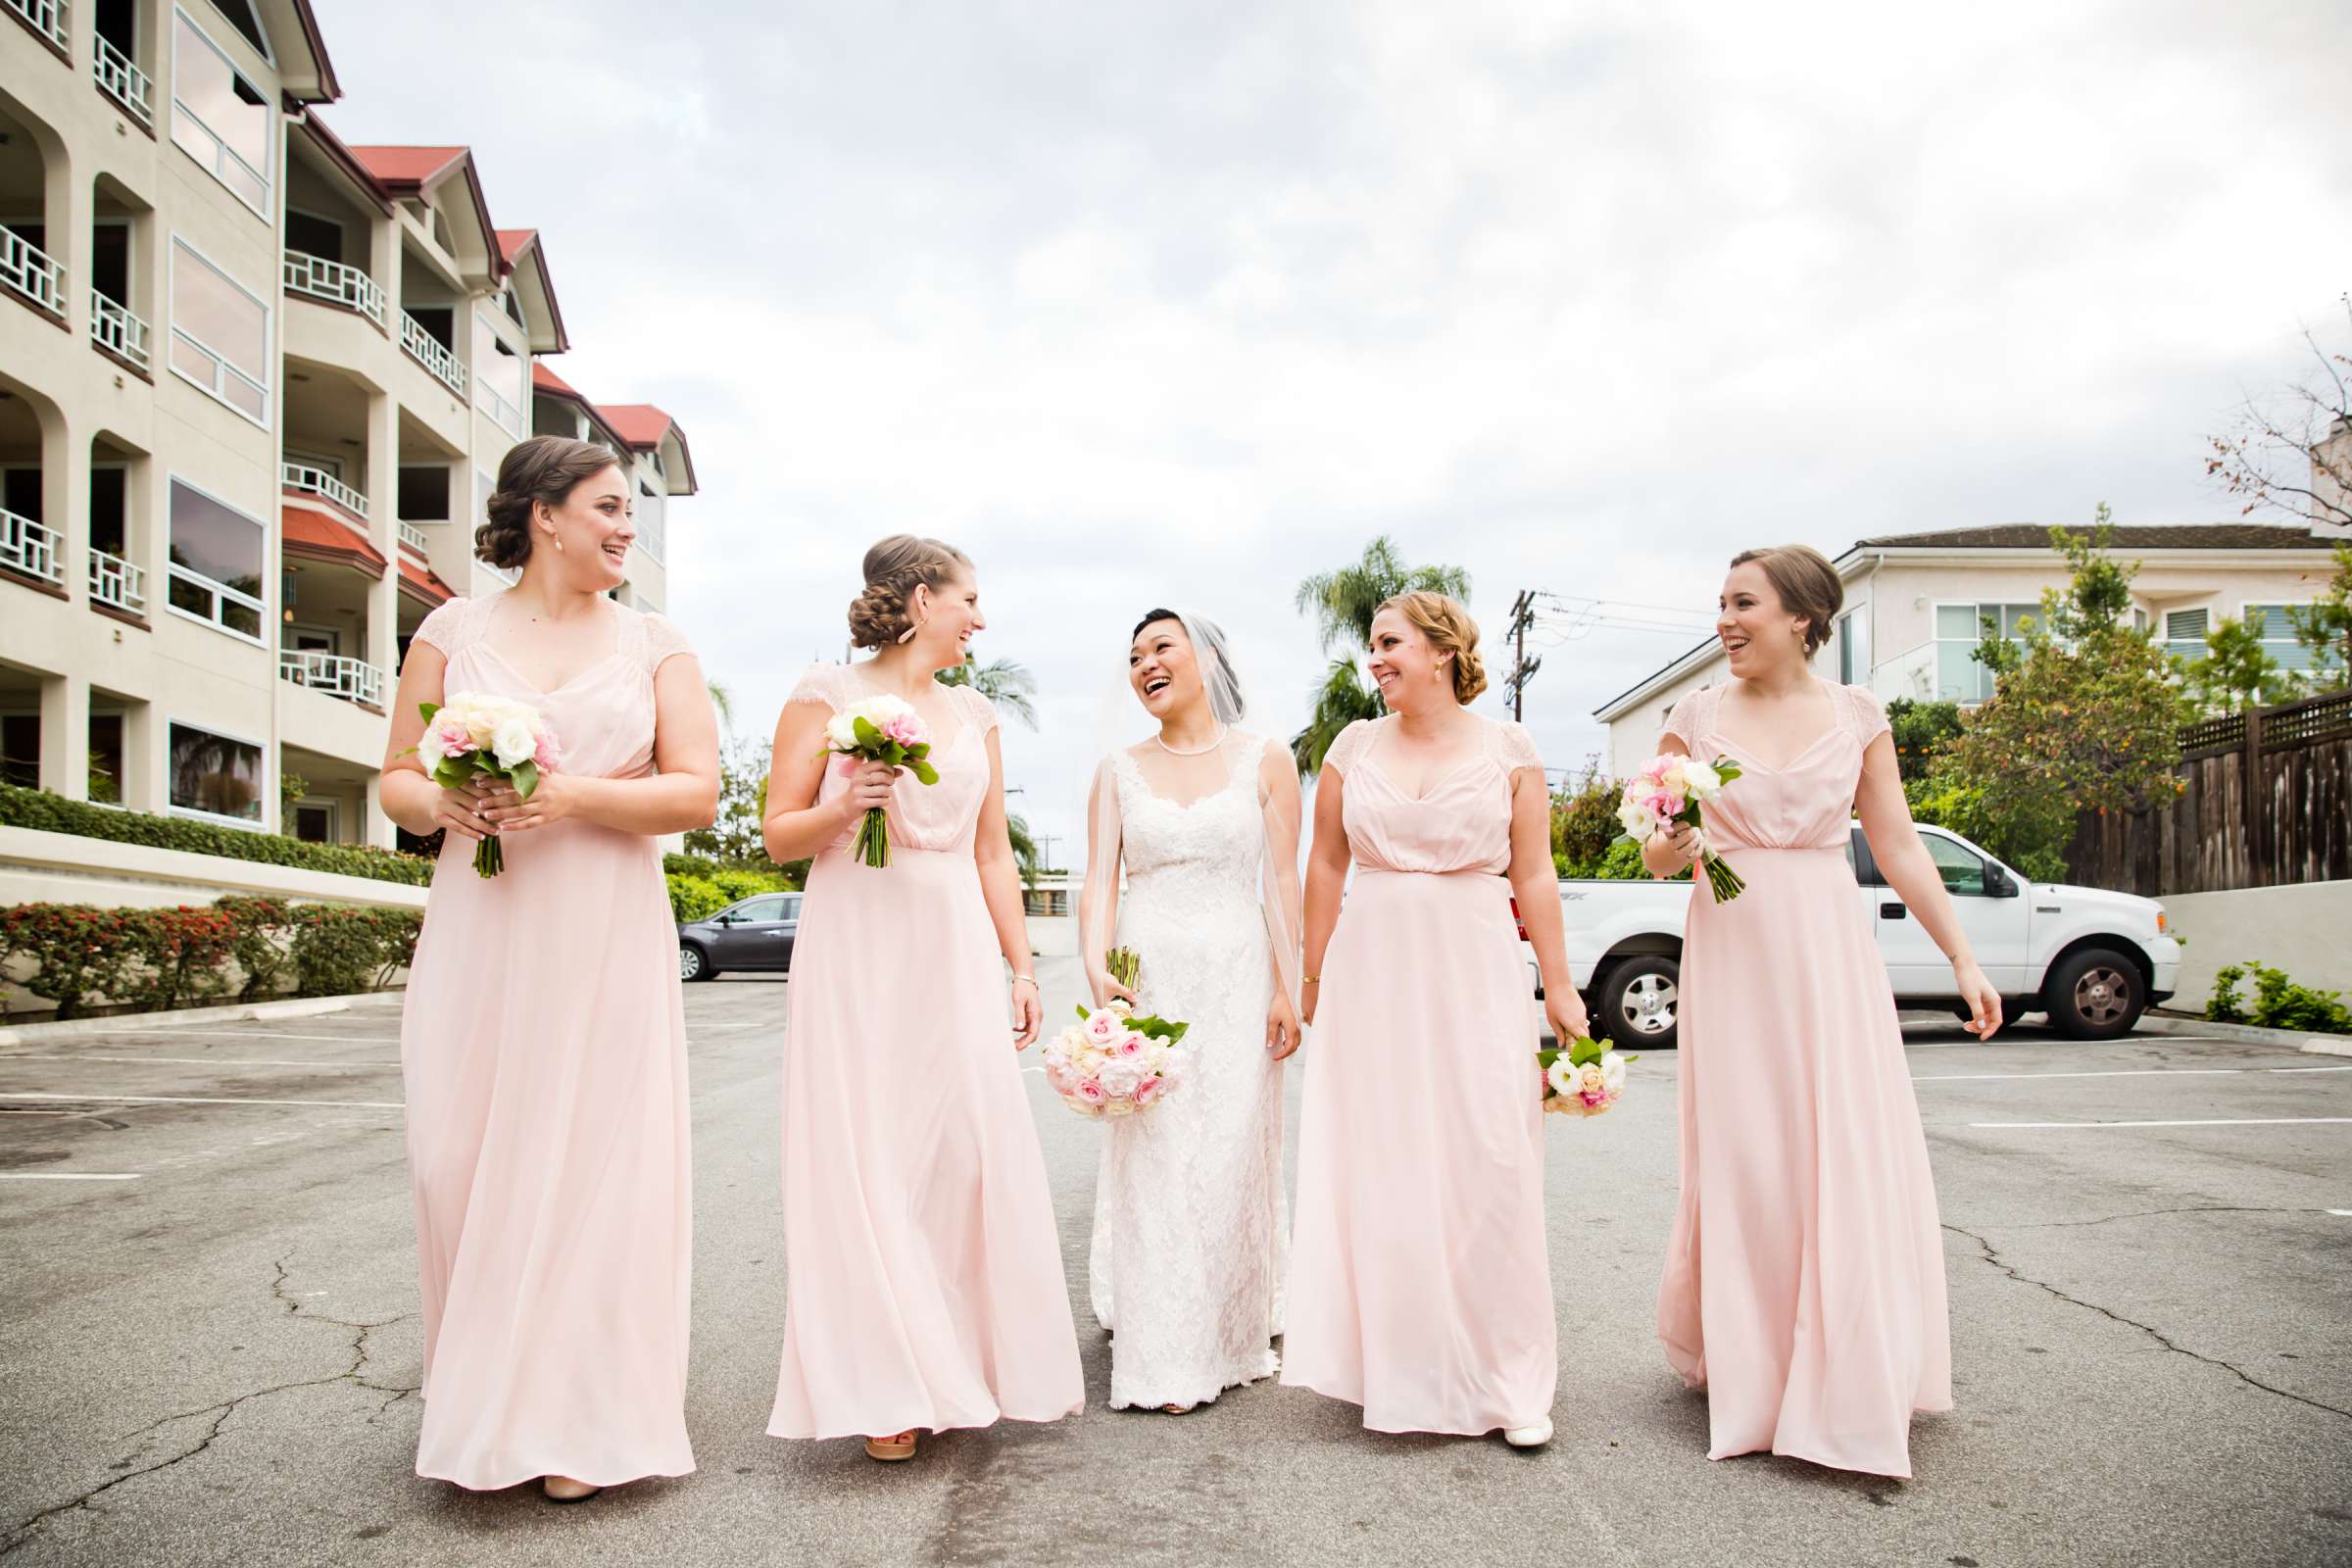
(1805, 1281)
(544, 1050)
(924, 1284)
(1420, 1284)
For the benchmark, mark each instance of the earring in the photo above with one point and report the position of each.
(907, 635)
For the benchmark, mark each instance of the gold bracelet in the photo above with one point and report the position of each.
(1032, 979)
(1312, 980)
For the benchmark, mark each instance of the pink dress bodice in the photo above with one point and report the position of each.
(939, 817)
(1462, 823)
(1807, 803)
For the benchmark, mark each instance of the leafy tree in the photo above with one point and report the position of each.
(1584, 821)
(734, 838)
(1024, 847)
(1344, 602)
(2325, 626)
(1005, 682)
(1921, 731)
(2086, 721)
(2235, 671)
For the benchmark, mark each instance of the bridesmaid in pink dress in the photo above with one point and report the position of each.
(923, 1277)
(1420, 1284)
(542, 1041)
(1805, 1281)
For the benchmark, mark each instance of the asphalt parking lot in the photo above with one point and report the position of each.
(208, 1341)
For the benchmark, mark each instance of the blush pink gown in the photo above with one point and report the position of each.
(544, 1050)
(1420, 1284)
(1805, 1281)
(924, 1285)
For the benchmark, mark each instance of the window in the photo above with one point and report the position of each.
(109, 512)
(1962, 869)
(1853, 647)
(240, 16)
(216, 562)
(2276, 629)
(106, 757)
(423, 494)
(21, 491)
(499, 379)
(2185, 632)
(770, 907)
(21, 750)
(109, 259)
(215, 776)
(1959, 628)
(220, 333)
(314, 236)
(314, 821)
(652, 535)
(219, 118)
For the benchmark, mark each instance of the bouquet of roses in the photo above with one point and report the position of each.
(880, 729)
(1668, 789)
(495, 737)
(1583, 1078)
(1113, 1064)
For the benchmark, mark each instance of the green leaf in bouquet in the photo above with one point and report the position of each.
(1083, 1014)
(429, 709)
(923, 770)
(450, 773)
(1546, 1056)
(527, 778)
(920, 749)
(865, 732)
(1585, 1051)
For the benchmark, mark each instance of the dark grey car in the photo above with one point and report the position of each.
(753, 933)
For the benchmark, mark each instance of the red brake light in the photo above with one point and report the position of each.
(1522, 924)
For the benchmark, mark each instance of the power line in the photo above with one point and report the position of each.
(1523, 669)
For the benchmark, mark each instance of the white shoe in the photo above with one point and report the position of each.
(1533, 1437)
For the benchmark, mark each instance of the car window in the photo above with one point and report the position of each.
(762, 909)
(1962, 869)
(792, 908)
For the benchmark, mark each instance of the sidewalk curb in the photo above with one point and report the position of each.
(138, 1022)
(2246, 1033)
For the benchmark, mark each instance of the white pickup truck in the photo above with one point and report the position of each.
(2093, 961)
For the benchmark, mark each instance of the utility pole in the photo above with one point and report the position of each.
(1523, 669)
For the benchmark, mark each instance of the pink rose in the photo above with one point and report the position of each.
(1148, 1090)
(455, 739)
(548, 755)
(1130, 1044)
(1662, 805)
(1090, 1092)
(1103, 1027)
(904, 728)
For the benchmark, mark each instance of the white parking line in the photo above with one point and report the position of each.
(245, 1061)
(245, 1034)
(2248, 1121)
(63, 1176)
(185, 1099)
(2114, 1073)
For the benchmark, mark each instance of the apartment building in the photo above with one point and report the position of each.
(255, 385)
(1916, 604)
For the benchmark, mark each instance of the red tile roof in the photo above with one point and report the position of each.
(407, 165)
(420, 582)
(2163, 536)
(512, 241)
(340, 156)
(644, 426)
(313, 532)
(547, 380)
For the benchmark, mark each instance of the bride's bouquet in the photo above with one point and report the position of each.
(1668, 789)
(1112, 1062)
(1583, 1079)
(881, 729)
(493, 737)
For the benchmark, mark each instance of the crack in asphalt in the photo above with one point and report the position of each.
(24, 1529)
(1992, 1255)
(2149, 1213)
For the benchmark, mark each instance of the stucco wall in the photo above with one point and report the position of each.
(2300, 929)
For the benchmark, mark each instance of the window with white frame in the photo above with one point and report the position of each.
(653, 535)
(2185, 632)
(219, 118)
(215, 776)
(499, 378)
(1959, 676)
(1853, 647)
(217, 555)
(220, 333)
(2276, 629)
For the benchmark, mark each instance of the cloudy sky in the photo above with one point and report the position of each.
(1176, 303)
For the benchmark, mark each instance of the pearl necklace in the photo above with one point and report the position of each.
(1198, 751)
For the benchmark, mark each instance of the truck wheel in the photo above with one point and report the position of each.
(1637, 1009)
(693, 963)
(2097, 994)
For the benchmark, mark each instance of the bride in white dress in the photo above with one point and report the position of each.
(1205, 819)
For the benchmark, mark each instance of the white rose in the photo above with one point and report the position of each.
(1118, 1077)
(512, 741)
(1561, 1076)
(1612, 1071)
(1701, 779)
(1633, 819)
(842, 732)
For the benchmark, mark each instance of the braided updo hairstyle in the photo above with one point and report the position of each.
(546, 467)
(894, 569)
(1807, 584)
(1450, 630)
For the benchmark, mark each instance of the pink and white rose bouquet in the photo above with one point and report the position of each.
(475, 733)
(1112, 1062)
(880, 729)
(1668, 789)
(1583, 1079)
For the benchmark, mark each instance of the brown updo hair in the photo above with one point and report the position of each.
(1451, 630)
(546, 467)
(894, 569)
(1807, 584)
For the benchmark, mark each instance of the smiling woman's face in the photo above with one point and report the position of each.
(1161, 668)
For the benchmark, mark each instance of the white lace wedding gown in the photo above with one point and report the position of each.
(1190, 1200)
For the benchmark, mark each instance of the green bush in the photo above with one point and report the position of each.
(1920, 730)
(338, 949)
(2279, 1003)
(54, 814)
(694, 898)
(1584, 822)
(154, 960)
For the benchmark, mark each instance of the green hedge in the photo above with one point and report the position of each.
(2279, 1003)
(54, 814)
(240, 947)
(697, 897)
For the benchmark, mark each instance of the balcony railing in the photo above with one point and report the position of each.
(117, 582)
(123, 82)
(335, 283)
(47, 16)
(27, 547)
(319, 482)
(414, 538)
(355, 680)
(427, 351)
(27, 269)
(115, 329)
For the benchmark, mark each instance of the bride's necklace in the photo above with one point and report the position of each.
(1197, 750)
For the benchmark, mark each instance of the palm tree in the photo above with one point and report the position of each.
(1344, 603)
(1024, 847)
(723, 703)
(1005, 682)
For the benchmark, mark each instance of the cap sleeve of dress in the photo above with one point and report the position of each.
(978, 711)
(663, 642)
(1348, 747)
(1684, 723)
(1514, 747)
(1866, 713)
(445, 628)
(820, 684)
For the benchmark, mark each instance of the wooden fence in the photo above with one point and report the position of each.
(2269, 803)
